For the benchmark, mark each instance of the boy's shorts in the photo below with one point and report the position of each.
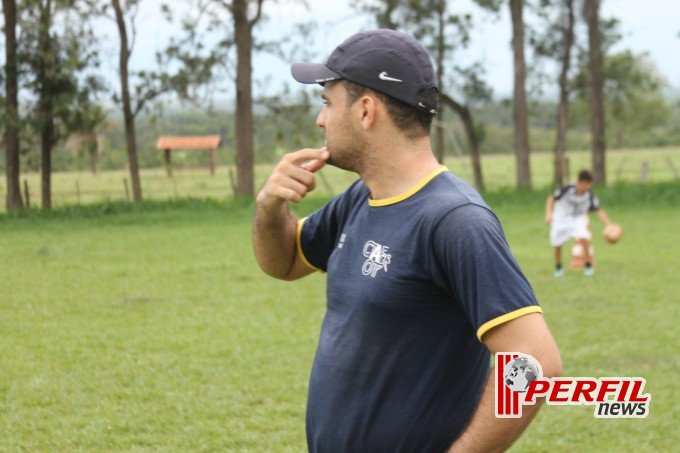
(562, 230)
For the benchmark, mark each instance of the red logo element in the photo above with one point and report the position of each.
(507, 401)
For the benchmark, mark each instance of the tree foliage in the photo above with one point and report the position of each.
(633, 91)
(57, 48)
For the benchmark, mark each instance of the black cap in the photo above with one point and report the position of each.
(387, 61)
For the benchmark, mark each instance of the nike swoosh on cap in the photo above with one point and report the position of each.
(383, 76)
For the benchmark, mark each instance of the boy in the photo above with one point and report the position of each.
(569, 218)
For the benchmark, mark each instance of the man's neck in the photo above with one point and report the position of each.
(397, 170)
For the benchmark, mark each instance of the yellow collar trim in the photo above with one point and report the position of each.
(408, 193)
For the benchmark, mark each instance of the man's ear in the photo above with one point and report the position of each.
(368, 112)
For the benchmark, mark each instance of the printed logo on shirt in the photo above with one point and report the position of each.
(377, 258)
(343, 236)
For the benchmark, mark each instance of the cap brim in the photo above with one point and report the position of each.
(313, 73)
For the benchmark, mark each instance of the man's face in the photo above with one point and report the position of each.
(344, 139)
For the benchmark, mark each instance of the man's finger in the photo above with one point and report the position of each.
(314, 165)
(299, 157)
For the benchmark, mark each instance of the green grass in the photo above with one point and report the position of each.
(151, 328)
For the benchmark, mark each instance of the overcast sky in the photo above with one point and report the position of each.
(650, 26)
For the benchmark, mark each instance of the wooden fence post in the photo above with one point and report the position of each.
(619, 169)
(174, 186)
(644, 172)
(672, 167)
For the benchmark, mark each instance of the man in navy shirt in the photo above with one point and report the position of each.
(421, 284)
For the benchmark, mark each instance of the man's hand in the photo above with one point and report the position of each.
(487, 433)
(274, 226)
(293, 177)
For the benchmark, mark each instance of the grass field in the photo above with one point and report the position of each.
(151, 328)
(499, 172)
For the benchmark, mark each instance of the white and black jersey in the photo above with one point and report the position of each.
(570, 204)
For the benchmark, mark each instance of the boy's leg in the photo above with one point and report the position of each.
(559, 271)
(588, 268)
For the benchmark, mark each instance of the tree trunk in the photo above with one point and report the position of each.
(471, 134)
(595, 65)
(45, 76)
(245, 178)
(520, 116)
(47, 139)
(129, 117)
(563, 105)
(13, 201)
(441, 50)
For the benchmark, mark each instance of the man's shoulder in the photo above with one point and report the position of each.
(355, 193)
(450, 192)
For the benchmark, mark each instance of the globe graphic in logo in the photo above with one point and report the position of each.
(519, 373)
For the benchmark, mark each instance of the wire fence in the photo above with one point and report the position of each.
(642, 166)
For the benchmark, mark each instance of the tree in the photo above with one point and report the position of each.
(14, 201)
(563, 103)
(47, 69)
(180, 69)
(520, 114)
(245, 155)
(239, 33)
(595, 70)
(520, 111)
(55, 61)
(556, 43)
(128, 113)
(634, 98)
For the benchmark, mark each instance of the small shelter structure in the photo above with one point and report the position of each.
(209, 142)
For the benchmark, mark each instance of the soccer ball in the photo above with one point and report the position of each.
(613, 233)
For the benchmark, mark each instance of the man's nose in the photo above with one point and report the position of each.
(321, 118)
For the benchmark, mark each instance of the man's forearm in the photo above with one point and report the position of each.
(274, 227)
(486, 432)
(274, 235)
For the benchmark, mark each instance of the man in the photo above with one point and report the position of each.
(421, 281)
(566, 211)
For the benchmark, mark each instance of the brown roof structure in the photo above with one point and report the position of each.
(189, 142)
(168, 143)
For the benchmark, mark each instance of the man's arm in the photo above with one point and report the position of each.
(274, 226)
(528, 334)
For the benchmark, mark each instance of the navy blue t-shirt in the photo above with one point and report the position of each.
(414, 282)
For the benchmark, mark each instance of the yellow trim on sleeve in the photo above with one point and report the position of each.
(299, 246)
(408, 193)
(484, 328)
